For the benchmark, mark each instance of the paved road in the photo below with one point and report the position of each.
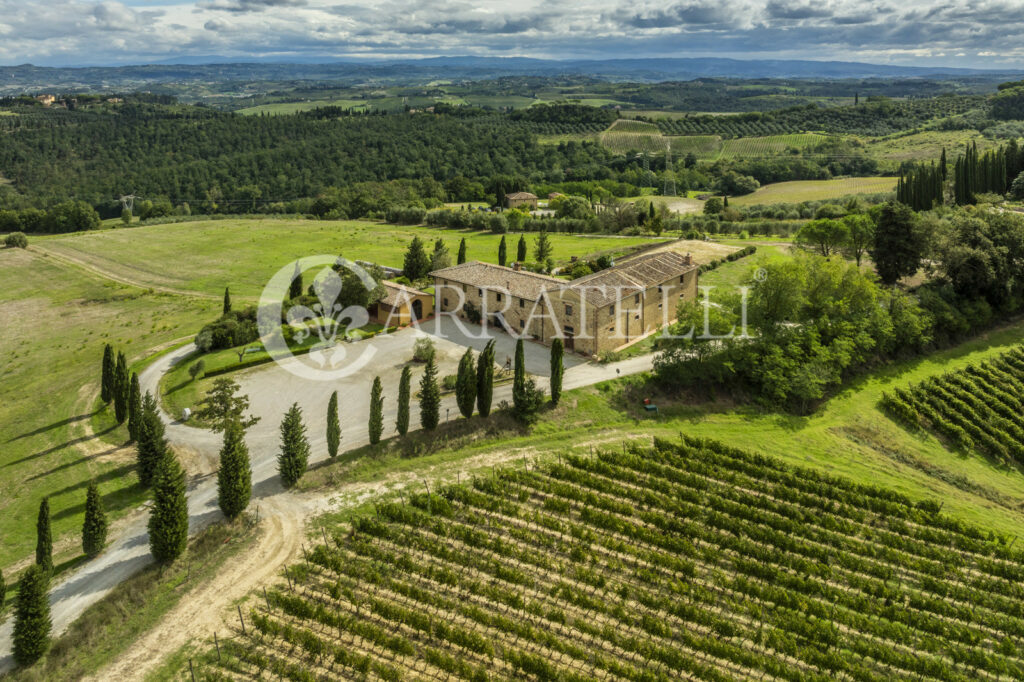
(272, 388)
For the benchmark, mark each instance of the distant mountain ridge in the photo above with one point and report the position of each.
(27, 77)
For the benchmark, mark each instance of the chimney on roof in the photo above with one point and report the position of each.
(689, 259)
(517, 266)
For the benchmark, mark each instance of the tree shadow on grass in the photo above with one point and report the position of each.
(56, 448)
(55, 425)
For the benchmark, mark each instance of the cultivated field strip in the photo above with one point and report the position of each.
(979, 408)
(681, 560)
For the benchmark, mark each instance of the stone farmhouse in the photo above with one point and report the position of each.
(516, 199)
(601, 312)
(401, 306)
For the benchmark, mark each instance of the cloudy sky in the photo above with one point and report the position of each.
(987, 33)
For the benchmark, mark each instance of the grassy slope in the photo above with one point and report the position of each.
(55, 320)
(848, 436)
(814, 190)
(245, 253)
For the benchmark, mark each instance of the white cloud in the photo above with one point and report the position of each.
(81, 31)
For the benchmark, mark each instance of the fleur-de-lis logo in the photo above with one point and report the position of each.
(326, 318)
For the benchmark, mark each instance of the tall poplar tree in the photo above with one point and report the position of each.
(94, 529)
(168, 518)
(107, 380)
(234, 475)
(465, 384)
(557, 369)
(333, 426)
(44, 538)
(430, 397)
(32, 623)
(134, 408)
(376, 421)
(404, 396)
(485, 379)
(122, 389)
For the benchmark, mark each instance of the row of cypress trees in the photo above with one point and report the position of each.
(32, 624)
(121, 387)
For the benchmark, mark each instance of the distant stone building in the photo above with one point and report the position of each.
(601, 312)
(517, 199)
(46, 100)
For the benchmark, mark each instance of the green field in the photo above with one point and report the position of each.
(814, 190)
(626, 135)
(55, 321)
(925, 146)
(245, 253)
(772, 145)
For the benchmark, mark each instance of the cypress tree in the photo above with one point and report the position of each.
(943, 164)
(485, 379)
(94, 530)
(295, 287)
(465, 384)
(502, 252)
(376, 422)
(291, 463)
(44, 540)
(234, 475)
(121, 389)
(134, 408)
(107, 381)
(430, 397)
(462, 252)
(404, 394)
(168, 519)
(151, 445)
(521, 249)
(227, 300)
(519, 379)
(333, 426)
(31, 617)
(557, 369)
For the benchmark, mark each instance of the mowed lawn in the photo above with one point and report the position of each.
(55, 320)
(206, 256)
(814, 190)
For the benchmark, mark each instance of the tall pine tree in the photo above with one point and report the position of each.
(122, 388)
(485, 379)
(519, 378)
(168, 518)
(417, 263)
(404, 396)
(430, 397)
(502, 252)
(333, 426)
(151, 445)
(107, 380)
(227, 301)
(465, 384)
(134, 408)
(294, 457)
(32, 623)
(462, 252)
(234, 475)
(557, 369)
(94, 529)
(375, 425)
(44, 538)
(521, 249)
(295, 287)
